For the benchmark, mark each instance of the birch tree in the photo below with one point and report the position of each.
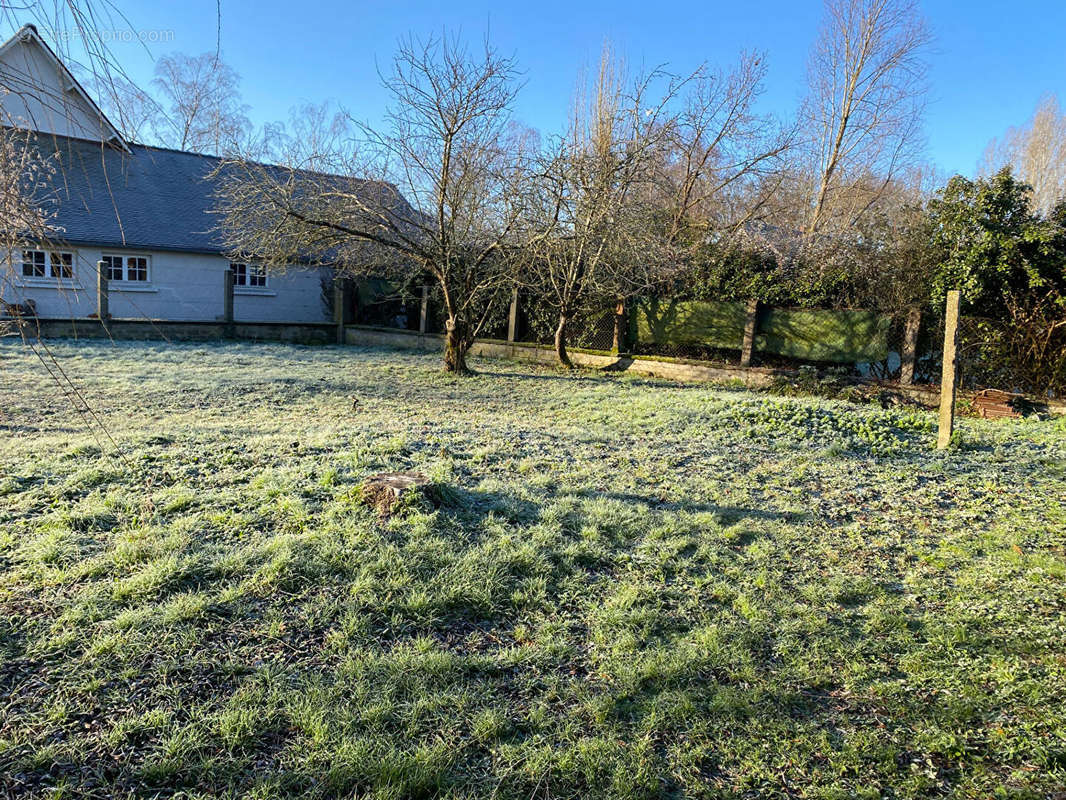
(867, 83)
(1036, 154)
(202, 98)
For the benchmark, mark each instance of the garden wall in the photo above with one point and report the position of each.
(293, 332)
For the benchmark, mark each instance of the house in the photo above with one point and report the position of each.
(142, 214)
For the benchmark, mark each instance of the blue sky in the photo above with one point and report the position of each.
(991, 62)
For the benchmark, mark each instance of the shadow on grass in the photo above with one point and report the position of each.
(726, 514)
(472, 506)
(620, 365)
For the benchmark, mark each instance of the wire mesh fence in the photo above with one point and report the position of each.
(902, 348)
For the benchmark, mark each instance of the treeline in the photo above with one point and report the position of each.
(661, 182)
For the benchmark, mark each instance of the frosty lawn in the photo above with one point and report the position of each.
(634, 589)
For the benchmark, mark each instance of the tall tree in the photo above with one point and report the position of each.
(134, 111)
(719, 156)
(202, 97)
(590, 238)
(435, 191)
(1036, 154)
(867, 85)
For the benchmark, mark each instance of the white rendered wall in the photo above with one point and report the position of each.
(40, 97)
(182, 287)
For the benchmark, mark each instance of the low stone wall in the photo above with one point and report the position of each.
(388, 337)
(753, 377)
(671, 370)
(159, 330)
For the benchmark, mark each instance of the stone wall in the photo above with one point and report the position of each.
(296, 333)
(753, 377)
(671, 370)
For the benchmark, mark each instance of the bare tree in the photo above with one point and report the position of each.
(1036, 153)
(867, 78)
(719, 155)
(26, 194)
(434, 191)
(134, 111)
(590, 237)
(639, 181)
(202, 97)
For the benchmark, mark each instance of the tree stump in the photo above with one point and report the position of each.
(384, 490)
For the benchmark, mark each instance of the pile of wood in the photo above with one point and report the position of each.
(995, 404)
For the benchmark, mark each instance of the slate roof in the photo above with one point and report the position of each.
(149, 198)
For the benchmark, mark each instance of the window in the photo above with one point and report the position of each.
(249, 275)
(113, 266)
(33, 263)
(62, 265)
(136, 268)
(126, 268)
(42, 264)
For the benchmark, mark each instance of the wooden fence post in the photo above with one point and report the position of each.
(950, 371)
(751, 320)
(512, 316)
(423, 319)
(227, 301)
(909, 353)
(338, 307)
(103, 310)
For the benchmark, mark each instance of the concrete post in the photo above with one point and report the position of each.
(619, 343)
(751, 320)
(423, 318)
(227, 301)
(950, 371)
(103, 311)
(909, 352)
(338, 307)
(512, 317)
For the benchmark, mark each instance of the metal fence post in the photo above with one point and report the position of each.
(103, 311)
(751, 320)
(950, 371)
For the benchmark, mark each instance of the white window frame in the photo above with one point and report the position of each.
(242, 282)
(48, 266)
(124, 271)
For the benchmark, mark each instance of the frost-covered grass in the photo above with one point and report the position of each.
(635, 589)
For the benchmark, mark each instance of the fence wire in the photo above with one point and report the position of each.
(888, 348)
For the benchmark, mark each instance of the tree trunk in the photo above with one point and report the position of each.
(560, 342)
(456, 343)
